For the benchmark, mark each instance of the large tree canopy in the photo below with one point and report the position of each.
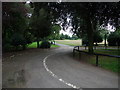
(84, 16)
(15, 23)
(41, 23)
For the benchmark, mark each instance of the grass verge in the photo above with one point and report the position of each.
(70, 42)
(105, 62)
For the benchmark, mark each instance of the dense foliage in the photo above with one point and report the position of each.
(15, 24)
(62, 37)
(45, 44)
(114, 38)
(23, 23)
(97, 38)
(84, 17)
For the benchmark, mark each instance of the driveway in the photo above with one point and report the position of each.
(53, 68)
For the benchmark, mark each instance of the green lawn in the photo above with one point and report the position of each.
(34, 45)
(54, 46)
(70, 42)
(109, 63)
(108, 51)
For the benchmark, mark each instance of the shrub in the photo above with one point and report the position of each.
(7, 47)
(17, 40)
(114, 39)
(74, 37)
(97, 38)
(45, 44)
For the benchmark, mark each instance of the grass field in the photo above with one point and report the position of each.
(108, 51)
(109, 63)
(105, 62)
(34, 45)
(70, 42)
(73, 42)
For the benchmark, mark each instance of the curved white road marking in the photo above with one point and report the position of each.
(55, 76)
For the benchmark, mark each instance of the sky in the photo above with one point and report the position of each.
(68, 32)
(28, 1)
(110, 28)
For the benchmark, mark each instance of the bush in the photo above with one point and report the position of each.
(17, 40)
(45, 44)
(114, 39)
(7, 47)
(74, 37)
(97, 38)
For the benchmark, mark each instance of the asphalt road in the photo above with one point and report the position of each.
(53, 68)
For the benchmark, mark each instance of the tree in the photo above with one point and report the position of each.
(55, 30)
(104, 34)
(14, 23)
(114, 37)
(40, 25)
(84, 18)
(62, 36)
(74, 37)
(88, 13)
(97, 38)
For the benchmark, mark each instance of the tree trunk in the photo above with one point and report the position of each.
(24, 47)
(90, 35)
(38, 46)
(105, 41)
(96, 44)
(90, 47)
(16, 48)
(54, 42)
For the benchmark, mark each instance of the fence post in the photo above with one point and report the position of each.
(96, 60)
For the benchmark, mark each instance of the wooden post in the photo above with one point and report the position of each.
(96, 60)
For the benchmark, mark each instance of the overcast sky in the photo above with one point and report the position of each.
(68, 32)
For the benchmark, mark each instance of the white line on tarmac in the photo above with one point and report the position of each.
(55, 76)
